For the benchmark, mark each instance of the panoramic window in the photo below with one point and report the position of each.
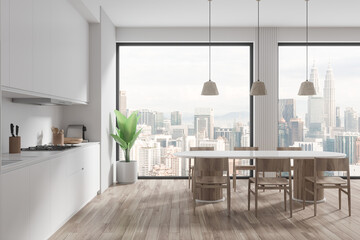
(328, 121)
(163, 83)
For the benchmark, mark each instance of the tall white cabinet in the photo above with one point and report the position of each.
(45, 49)
(37, 200)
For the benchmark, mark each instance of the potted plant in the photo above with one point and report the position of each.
(126, 135)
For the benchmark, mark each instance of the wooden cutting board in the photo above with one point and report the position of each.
(72, 140)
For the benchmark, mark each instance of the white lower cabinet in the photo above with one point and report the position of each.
(15, 192)
(37, 200)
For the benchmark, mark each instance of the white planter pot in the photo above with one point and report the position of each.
(126, 172)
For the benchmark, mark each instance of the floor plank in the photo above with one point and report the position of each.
(162, 209)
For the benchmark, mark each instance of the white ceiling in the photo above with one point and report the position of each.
(231, 13)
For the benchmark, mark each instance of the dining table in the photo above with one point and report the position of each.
(303, 166)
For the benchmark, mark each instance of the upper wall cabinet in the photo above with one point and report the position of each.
(45, 49)
(21, 50)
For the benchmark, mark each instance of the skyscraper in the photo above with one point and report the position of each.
(329, 99)
(350, 120)
(314, 77)
(204, 123)
(315, 115)
(148, 118)
(346, 143)
(176, 118)
(122, 102)
(338, 117)
(297, 130)
(287, 109)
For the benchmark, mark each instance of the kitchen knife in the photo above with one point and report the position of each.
(12, 129)
(17, 130)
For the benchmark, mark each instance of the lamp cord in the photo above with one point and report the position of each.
(307, 39)
(209, 40)
(258, 41)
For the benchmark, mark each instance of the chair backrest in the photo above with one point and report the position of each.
(289, 148)
(246, 148)
(332, 164)
(201, 148)
(272, 165)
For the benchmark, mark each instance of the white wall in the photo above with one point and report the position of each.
(108, 99)
(265, 107)
(35, 122)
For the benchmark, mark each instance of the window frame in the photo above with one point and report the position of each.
(161, 44)
(312, 44)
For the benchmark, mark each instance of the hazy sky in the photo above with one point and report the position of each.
(171, 78)
(345, 62)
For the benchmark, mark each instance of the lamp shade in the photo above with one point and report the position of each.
(258, 89)
(209, 88)
(307, 89)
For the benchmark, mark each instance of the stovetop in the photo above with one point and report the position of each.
(49, 147)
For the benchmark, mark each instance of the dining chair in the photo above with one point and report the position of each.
(271, 165)
(191, 167)
(209, 173)
(331, 165)
(288, 149)
(242, 167)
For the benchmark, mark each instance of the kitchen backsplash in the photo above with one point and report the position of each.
(35, 122)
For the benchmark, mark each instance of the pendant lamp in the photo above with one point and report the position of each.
(307, 88)
(258, 87)
(209, 88)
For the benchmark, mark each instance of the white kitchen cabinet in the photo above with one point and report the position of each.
(92, 172)
(59, 192)
(39, 201)
(76, 178)
(5, 42)
(44, 50)
(21, 49)
(41, 43)
(15, 208)
(70, 52)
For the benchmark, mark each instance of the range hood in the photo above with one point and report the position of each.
(42, 101)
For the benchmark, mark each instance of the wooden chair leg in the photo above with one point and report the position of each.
(234, 176)
(349, 199)
(249, 185)
(192, 179)
(189, 177)
(194, 198)
(256, 199)
(228, 200)
(290, 198)
(284, 199)
(315, 198)
(303, 193)
(339, 197)
(190, 172)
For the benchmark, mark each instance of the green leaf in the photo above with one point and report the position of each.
(130, 127)
(120, 119)
(121, 142)
(134, 139)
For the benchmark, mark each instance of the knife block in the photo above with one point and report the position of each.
(15, 144)
(58, 138)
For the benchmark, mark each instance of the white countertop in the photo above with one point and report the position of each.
(259, 154)
(26, 158)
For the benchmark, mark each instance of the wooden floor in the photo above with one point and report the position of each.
(162, 209)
